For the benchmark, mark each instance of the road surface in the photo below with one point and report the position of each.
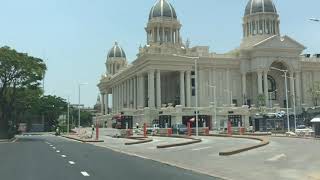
(55, 158)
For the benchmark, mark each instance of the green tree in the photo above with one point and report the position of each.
(314, 91)
(50, 107)
(261, 100)
(19, 75)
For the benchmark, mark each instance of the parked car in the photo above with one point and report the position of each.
(179, 129)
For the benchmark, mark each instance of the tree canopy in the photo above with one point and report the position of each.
(20, 80)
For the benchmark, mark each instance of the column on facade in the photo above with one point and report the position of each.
(292, 93)
(298, 88)
(260, 82)
(142, 91)
(188, 88)
(229, 90)
(244, 87)
(210, 89)
(266, 88)
(158, 87)
(134, 93)
(163, 35)
(112, 102)
(130, 94)
(158, 34)
(151, 97)
(102, 103)
(182, 89)
(106, 107)
(121, 96)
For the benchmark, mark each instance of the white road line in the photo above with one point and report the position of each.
(71, 162)
(198, 149)
(53, 147)
(63, 156)
(57, 151)
(277, 157)
(85, 173)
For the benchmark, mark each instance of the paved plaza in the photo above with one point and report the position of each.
(284, 158)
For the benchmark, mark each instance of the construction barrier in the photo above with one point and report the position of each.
(242, 130)
(97, 132)
(169, 131)
(189, 129)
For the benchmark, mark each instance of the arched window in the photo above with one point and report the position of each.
(272, 88)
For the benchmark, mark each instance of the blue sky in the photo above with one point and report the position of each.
(74, 36)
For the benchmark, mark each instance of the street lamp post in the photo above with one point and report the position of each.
(286, 84)
(79, 88)
(294, 104)
(68, 119)
(196, 86)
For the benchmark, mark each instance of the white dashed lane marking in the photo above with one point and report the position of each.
(198, 149)
(85, 173)
(57, 151)
(71, 162)
(63, 156)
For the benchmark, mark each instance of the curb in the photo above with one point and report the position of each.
(194, 140)
(296, 137)
(140, 141)
(81, 140)
(14, 139)
(263, 142)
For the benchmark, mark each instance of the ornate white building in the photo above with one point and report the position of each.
(161, 84)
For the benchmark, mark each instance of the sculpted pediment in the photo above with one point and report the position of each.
(277, 42)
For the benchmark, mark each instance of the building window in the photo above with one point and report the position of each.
(272, 88)
(193, 82)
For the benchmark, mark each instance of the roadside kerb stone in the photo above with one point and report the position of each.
(7, 140)
(82, 140)
(193, 141)
(263, 142)
(140, 140)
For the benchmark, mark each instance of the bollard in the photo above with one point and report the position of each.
(97, 132)
(189, 129)
(169, 131)
(145, 130)
(206, 131)
(229, 128)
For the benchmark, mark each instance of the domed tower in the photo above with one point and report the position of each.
(116, 59)
(163, 26)
(260, 21)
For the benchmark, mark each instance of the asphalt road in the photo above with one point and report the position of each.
(55, 158)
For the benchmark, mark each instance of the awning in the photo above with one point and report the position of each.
(316, 120)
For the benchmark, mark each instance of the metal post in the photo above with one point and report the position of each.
(79, 107)
(231, 98)
(287, 103)
(215, 108)
(196, 93)
(68, 126)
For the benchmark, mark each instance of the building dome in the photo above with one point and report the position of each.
(116, 52)
(260, 6)
(162, 8)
